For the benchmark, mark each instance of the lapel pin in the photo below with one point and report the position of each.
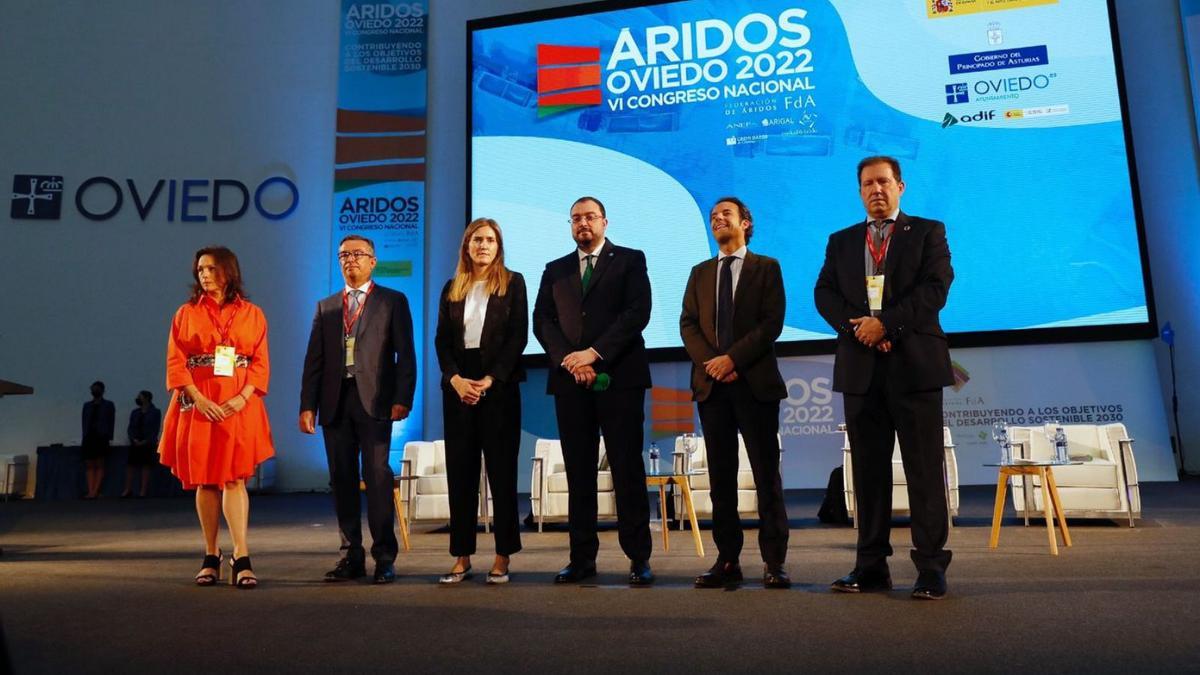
(907, 228)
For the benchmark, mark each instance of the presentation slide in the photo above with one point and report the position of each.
(1007, 125)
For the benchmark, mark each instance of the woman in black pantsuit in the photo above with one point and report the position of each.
(482, 329)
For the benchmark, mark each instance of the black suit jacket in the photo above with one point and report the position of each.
(917, 277)
(383, 355)
(758, 309)
(505, 333)
(609, 318)
(106, 418)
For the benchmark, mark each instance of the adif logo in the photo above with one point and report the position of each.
(568, 78)
(36, 197)
(949, 121)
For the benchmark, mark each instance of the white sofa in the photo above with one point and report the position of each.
(1105, 485)
(427, 498)
(747, 497)
(900, 506)
(548, 486)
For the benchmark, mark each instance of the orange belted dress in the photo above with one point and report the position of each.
(199, 451)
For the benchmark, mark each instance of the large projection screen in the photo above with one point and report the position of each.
(1010, 127)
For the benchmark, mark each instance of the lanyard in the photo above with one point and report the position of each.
(347, 320)
(215, 320)
(879, 255)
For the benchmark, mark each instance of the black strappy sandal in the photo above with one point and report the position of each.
(210, 562)
(240, 565)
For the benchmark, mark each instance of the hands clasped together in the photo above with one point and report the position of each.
(579, 364)
(870, 331)
(470, 391)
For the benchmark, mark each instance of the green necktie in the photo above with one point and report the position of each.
(587, 272)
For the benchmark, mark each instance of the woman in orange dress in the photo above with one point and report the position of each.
(216, 431)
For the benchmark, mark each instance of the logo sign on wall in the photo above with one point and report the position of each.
(40, 197)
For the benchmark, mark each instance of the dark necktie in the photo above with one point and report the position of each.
(725, 306)
(587, 272)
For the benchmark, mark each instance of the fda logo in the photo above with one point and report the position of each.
(36, 197)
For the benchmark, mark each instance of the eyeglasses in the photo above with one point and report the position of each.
(589, 218)
(356, 255)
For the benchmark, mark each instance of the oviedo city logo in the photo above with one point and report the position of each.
(567, 78)
(36, 197)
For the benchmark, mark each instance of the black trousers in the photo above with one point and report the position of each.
(874, 421)
(350, 435)
(619, 414)
(731, 408)
(491, 426)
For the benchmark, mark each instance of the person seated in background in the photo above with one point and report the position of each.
(144, 423)
(99, 417)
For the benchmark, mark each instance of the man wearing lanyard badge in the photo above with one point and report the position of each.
(881, 288)
(360, 374)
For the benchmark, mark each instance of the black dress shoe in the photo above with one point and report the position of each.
(863, 581)
(575, 572)
(776, 577)
(346, 570)
(385, 573)
(930, 586)
(720, 575)
(640, 574)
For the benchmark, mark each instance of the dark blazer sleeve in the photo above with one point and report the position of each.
(443, 339)
(921, 304)
(634, 317)
(516, 331)
(131, 429)
(546, 327)
(831, 302)
(698, 348)
(760, 340)
(406, 357)
(314, 362)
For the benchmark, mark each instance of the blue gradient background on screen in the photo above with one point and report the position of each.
(1039, 211)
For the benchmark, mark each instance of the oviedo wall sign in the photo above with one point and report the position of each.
(40, 197)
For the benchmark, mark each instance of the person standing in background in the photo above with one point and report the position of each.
(145, 420)
(99, 420)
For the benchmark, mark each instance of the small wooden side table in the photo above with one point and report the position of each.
(670, 477)
(1051, 503)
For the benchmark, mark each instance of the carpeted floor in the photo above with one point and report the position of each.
(105, 587)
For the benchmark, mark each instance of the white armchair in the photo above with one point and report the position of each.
(747, 497)
(427, 497)
(900, 505)
(548, 491)
(14, 472)
(1105, 485)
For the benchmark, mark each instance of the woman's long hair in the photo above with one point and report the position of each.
(497, 276)
(227, 262)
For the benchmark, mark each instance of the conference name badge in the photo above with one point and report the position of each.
(223, 361)
(875, 292)
(349, 350)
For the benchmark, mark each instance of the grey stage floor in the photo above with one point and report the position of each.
(105, 587)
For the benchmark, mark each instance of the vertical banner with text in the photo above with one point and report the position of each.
(379, 174)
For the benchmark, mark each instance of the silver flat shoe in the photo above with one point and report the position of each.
(455, 577)
(493, 578)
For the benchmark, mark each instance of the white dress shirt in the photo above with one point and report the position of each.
(474, 312)
(595, 257)
(739, 257)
